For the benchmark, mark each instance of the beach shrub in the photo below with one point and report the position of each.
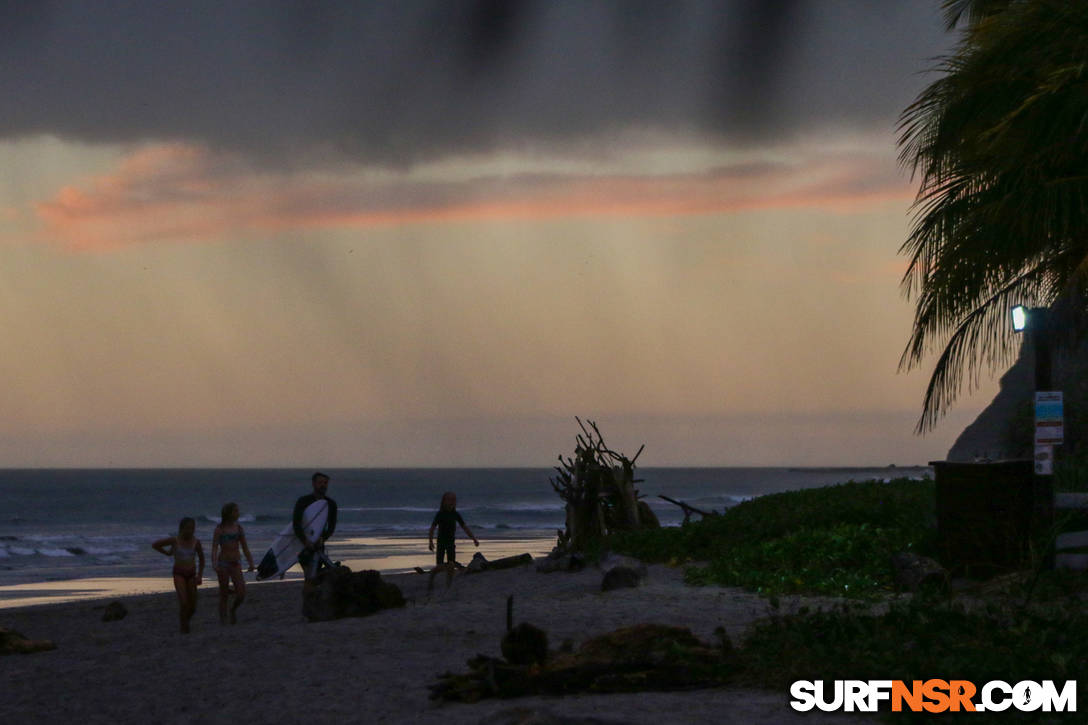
(844, 559)
(920, 639)
(838, 540)
(830, 540)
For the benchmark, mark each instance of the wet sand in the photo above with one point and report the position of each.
(385, 554)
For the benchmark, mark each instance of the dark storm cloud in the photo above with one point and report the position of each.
(397, 82)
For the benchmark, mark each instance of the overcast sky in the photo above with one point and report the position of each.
(431, 233)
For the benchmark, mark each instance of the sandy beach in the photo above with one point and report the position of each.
(275, 667)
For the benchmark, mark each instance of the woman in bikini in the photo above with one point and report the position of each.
(186, 550)
(228, 545)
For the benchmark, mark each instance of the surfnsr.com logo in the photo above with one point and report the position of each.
(933, 696)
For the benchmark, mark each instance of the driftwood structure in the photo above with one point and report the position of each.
(480, 563)
(598, 486)
(645, 657)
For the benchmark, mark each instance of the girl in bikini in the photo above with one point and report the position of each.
(228, 545)
(186, 550)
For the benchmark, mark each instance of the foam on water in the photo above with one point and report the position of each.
(385, 509)
(243, 519)
(55, 552)
(69, 526)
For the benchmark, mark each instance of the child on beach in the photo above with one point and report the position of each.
(446, 521)
(228, 545)
(186, 550)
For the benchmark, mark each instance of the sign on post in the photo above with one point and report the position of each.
(1044, 460)
(1049, 430)
(1049, 419)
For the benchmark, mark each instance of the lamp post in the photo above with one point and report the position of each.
(1035, 322)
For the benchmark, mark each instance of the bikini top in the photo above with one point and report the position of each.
(184, 556)
(225, 537)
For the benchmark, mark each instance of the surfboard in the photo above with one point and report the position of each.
(283, 554)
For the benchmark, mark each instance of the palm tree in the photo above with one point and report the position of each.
(1000, 144)
(971, 10)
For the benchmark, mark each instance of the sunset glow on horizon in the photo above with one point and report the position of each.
(178, 290)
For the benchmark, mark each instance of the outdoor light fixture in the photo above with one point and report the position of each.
(1019, 318)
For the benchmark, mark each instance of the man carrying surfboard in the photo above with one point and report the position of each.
(313, 539)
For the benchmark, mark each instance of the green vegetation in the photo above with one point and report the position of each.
(917, 639)
(989, 642)
(835, 540)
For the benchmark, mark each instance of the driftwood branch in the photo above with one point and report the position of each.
(642, 658)
(687, 508)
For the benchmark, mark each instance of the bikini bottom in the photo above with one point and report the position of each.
(185, 572)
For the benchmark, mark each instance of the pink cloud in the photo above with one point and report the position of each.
(181, 193)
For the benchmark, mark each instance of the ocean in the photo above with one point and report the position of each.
(68, 533)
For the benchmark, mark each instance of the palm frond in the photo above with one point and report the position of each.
(998, 146)
(971, 10)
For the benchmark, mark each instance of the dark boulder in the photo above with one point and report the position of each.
(339, 592)
(115, 612)
(620, 577)
(916, 573)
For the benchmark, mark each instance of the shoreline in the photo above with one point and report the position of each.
(390, 556)
(275, 667)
